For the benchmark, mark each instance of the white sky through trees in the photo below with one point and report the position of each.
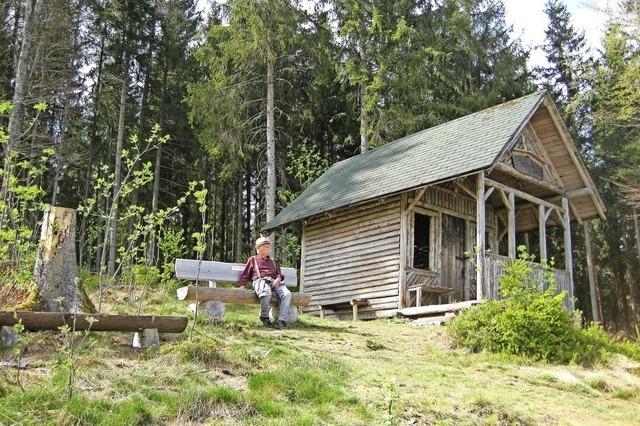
(529, 23)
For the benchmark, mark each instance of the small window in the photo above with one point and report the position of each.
(528, 163)
(421, 241)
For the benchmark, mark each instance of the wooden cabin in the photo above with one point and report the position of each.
(433, 217)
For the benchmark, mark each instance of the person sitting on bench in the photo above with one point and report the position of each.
(267, 277)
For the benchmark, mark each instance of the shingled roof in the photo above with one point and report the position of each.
(458, 147)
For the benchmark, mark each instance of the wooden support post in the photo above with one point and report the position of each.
(595, 309)
(568, 255)
(403, 295)
(321, 312)
(355, 311)
(147, 339)
(213, 284)
(512, 225)
(8, 337)
(480, 241)
(543, 233)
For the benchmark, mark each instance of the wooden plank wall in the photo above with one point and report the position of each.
(445, 201)
(354, 253)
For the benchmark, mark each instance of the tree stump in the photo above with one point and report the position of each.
(56, 272)
(8, 337)
(212, 310)
(292, 316)
(148, 338)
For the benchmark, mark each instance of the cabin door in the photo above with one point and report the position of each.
(453, 259)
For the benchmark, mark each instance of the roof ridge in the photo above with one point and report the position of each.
(377, 148)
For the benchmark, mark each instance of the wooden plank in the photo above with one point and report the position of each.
(303, 259)
(402, 282)
(369, 226)
(417, 198)
(187, 269)
(511, 228)
(353, 217)
(523, 195)
(391, 264)
(480, 230)
(340, 298)
(393, 227)
(568, 254)
(488, 193)
(327, 263)
(363, 223)
(504, 168)
(542, 229)
(103, 322)
(233, 295)
(436, 309)
(392, 236)
(371, 286)
(381, 278)
(340, 214)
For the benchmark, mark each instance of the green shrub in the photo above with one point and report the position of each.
(531, 322)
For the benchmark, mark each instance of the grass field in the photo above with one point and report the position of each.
(316, 372)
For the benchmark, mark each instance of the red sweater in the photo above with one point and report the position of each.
(268, 268)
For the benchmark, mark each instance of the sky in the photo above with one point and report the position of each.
(529, 22)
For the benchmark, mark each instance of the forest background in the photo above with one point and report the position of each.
(179, 133)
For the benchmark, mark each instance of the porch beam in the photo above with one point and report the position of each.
(512, 225)
(488, 193)
(504, 168)
(465, 188)
(503, 197)
(542, 222)
(568, 255)
(480, 231)
(523, 195)
(416, 199)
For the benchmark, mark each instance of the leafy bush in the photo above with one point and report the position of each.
(531, 322)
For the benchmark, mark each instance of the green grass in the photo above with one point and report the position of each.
(317, 372)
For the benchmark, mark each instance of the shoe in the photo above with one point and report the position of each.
(281, 325)
(266, 321)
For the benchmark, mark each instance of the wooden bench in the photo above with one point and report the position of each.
(432, 290)
(148, 325)
(354, 303)
(214, 272)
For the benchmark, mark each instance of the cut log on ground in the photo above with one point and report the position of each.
(232, 295)
(34, 321)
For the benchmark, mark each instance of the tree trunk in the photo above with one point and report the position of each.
(20, 89)
(271, 152)
(239, 222)
(56, 272)
(113, 217)
(364, 122)
(595, 308)
(247, 218)
(234, 295)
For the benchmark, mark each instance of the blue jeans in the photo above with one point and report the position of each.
(284, 295)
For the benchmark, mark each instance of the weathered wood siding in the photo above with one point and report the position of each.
(449, 206)
(354, 253)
